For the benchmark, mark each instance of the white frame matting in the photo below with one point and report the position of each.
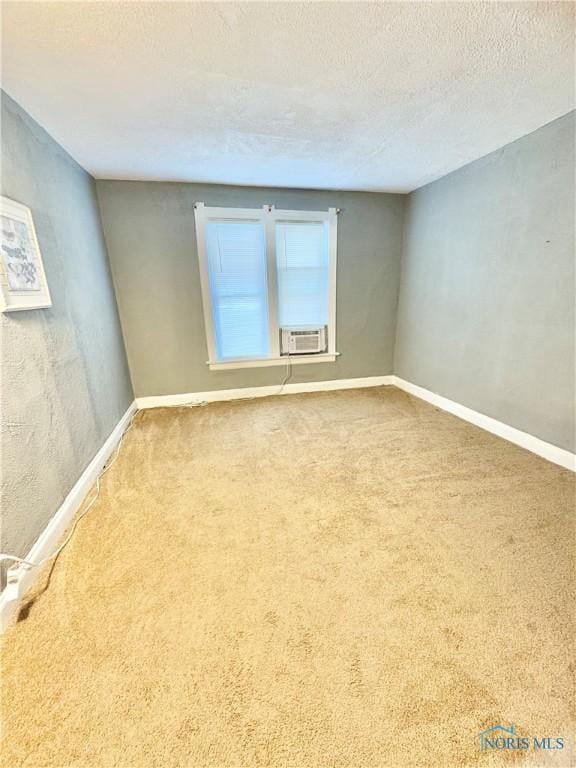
(23, 283)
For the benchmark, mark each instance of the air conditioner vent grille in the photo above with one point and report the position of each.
(307, 343)
(298, 341)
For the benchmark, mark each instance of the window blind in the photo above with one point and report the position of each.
(302, 258)
(236, 252)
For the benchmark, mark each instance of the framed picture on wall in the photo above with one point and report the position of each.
(22, 279)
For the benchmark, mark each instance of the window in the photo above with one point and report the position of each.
(236, 252)
(264, 270)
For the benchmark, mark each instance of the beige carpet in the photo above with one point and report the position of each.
(338, 579)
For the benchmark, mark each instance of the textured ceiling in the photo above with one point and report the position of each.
(385, 96)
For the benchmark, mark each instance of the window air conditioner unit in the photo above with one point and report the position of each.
(303, 341)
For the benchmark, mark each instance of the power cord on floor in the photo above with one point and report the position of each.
(191, 404)
(30, 564)
(288, 375)
(23, 561)
(195, 404)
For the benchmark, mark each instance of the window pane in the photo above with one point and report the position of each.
(302, 259)
(237, 268)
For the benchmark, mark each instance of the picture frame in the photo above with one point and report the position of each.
(23, 283)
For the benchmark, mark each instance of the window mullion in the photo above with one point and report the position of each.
(272, 282)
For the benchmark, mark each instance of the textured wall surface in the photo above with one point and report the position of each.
(149, 229)
(381, 96)
(486, 312)
(64, 376)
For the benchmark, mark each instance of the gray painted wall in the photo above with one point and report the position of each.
(486, 313)
(149, 229)
(64, 376)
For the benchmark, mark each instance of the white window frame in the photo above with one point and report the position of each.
(268, 215)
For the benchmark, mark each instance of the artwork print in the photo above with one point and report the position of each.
(23, 283)
(18, 254)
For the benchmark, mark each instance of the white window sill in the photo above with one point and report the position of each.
(328, 357)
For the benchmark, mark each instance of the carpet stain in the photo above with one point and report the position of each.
(348, 579)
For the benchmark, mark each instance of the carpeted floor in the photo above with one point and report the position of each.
(350, 578)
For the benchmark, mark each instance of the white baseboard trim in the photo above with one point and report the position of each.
(21, 578)
(531, 443)
(540, 447)
(194, 398)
